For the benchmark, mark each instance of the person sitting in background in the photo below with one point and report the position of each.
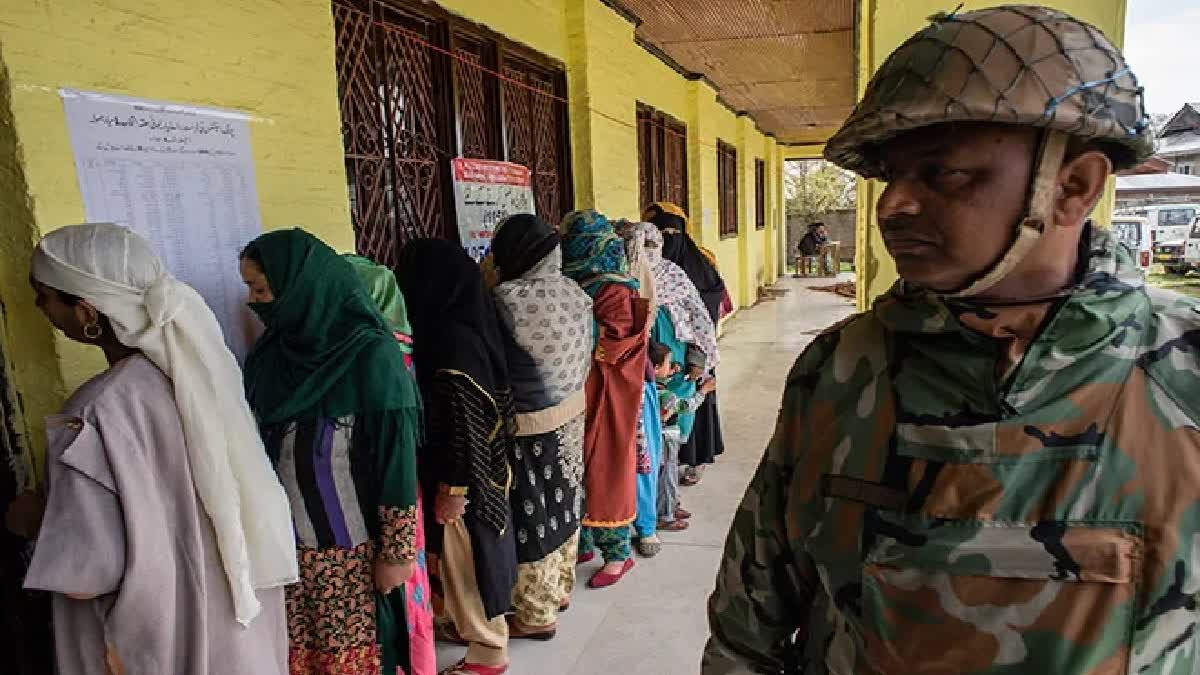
(814, 243)
(166, 539)
(672, 406)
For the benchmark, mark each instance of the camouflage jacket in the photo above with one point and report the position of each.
(920, 510)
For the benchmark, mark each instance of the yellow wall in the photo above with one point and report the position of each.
(538, 24)
(883, 26)
(272, 60)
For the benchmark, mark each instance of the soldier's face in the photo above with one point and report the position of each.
(954, 194)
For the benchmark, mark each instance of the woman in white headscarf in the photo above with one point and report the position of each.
(167, 536)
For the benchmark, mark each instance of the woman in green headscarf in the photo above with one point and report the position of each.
(341, 421)
(385, 292)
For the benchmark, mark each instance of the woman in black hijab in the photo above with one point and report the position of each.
(459, 357)
(706, 442)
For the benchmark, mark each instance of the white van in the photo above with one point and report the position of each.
(1134, 233)
(1170, 225)
(1191, 255)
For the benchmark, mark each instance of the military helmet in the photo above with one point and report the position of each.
(1021, 65)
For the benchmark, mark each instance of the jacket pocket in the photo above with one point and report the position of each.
(986, 597)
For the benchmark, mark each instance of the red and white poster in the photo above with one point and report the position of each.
(486, 192)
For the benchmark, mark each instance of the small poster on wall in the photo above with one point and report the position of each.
(183, 178)
(485, 193)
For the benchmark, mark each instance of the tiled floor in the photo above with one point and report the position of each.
(653, 622)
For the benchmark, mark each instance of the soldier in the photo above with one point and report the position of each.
(997, 468)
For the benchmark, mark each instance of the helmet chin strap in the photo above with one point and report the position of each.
(1038, 215)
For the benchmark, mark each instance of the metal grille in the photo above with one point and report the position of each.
(760, 192)
(416, 148)
(535, 135)
(662, 157)
(727, 189)
(476, 126)
(548, 166)
(362, 128)
(395, 146)
(417, 87)
(517, 119)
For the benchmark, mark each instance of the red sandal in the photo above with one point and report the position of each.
(673, 526)
(603, 580)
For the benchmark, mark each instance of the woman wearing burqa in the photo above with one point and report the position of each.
(706, 442)
(166, 538)
(461, 368)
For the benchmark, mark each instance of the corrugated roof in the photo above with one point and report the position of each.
(1157, 181)
(788, 63)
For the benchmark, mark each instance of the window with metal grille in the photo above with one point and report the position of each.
(727, 189)
(760, 195)
(418, 87)
(662, 157)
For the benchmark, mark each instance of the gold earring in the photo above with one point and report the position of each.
(92, 331)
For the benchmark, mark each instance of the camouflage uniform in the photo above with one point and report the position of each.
(959, 488)
(923, 509)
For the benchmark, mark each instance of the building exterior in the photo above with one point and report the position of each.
(1157, 188)
(1179, 141)
(356, 107)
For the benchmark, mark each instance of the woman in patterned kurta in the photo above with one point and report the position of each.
(594, 256)
(341, 421)
(546, 321)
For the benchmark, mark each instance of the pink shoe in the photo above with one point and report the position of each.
(585, 558)
(603, 580)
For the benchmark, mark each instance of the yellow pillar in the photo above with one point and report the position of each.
(747, 280)
(882, 26)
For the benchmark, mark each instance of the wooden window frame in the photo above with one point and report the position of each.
(727, 190)
(662, 157)
(760, 194)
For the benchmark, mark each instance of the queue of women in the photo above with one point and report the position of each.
(407, 455)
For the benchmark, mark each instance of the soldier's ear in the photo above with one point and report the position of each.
(1081, 182)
